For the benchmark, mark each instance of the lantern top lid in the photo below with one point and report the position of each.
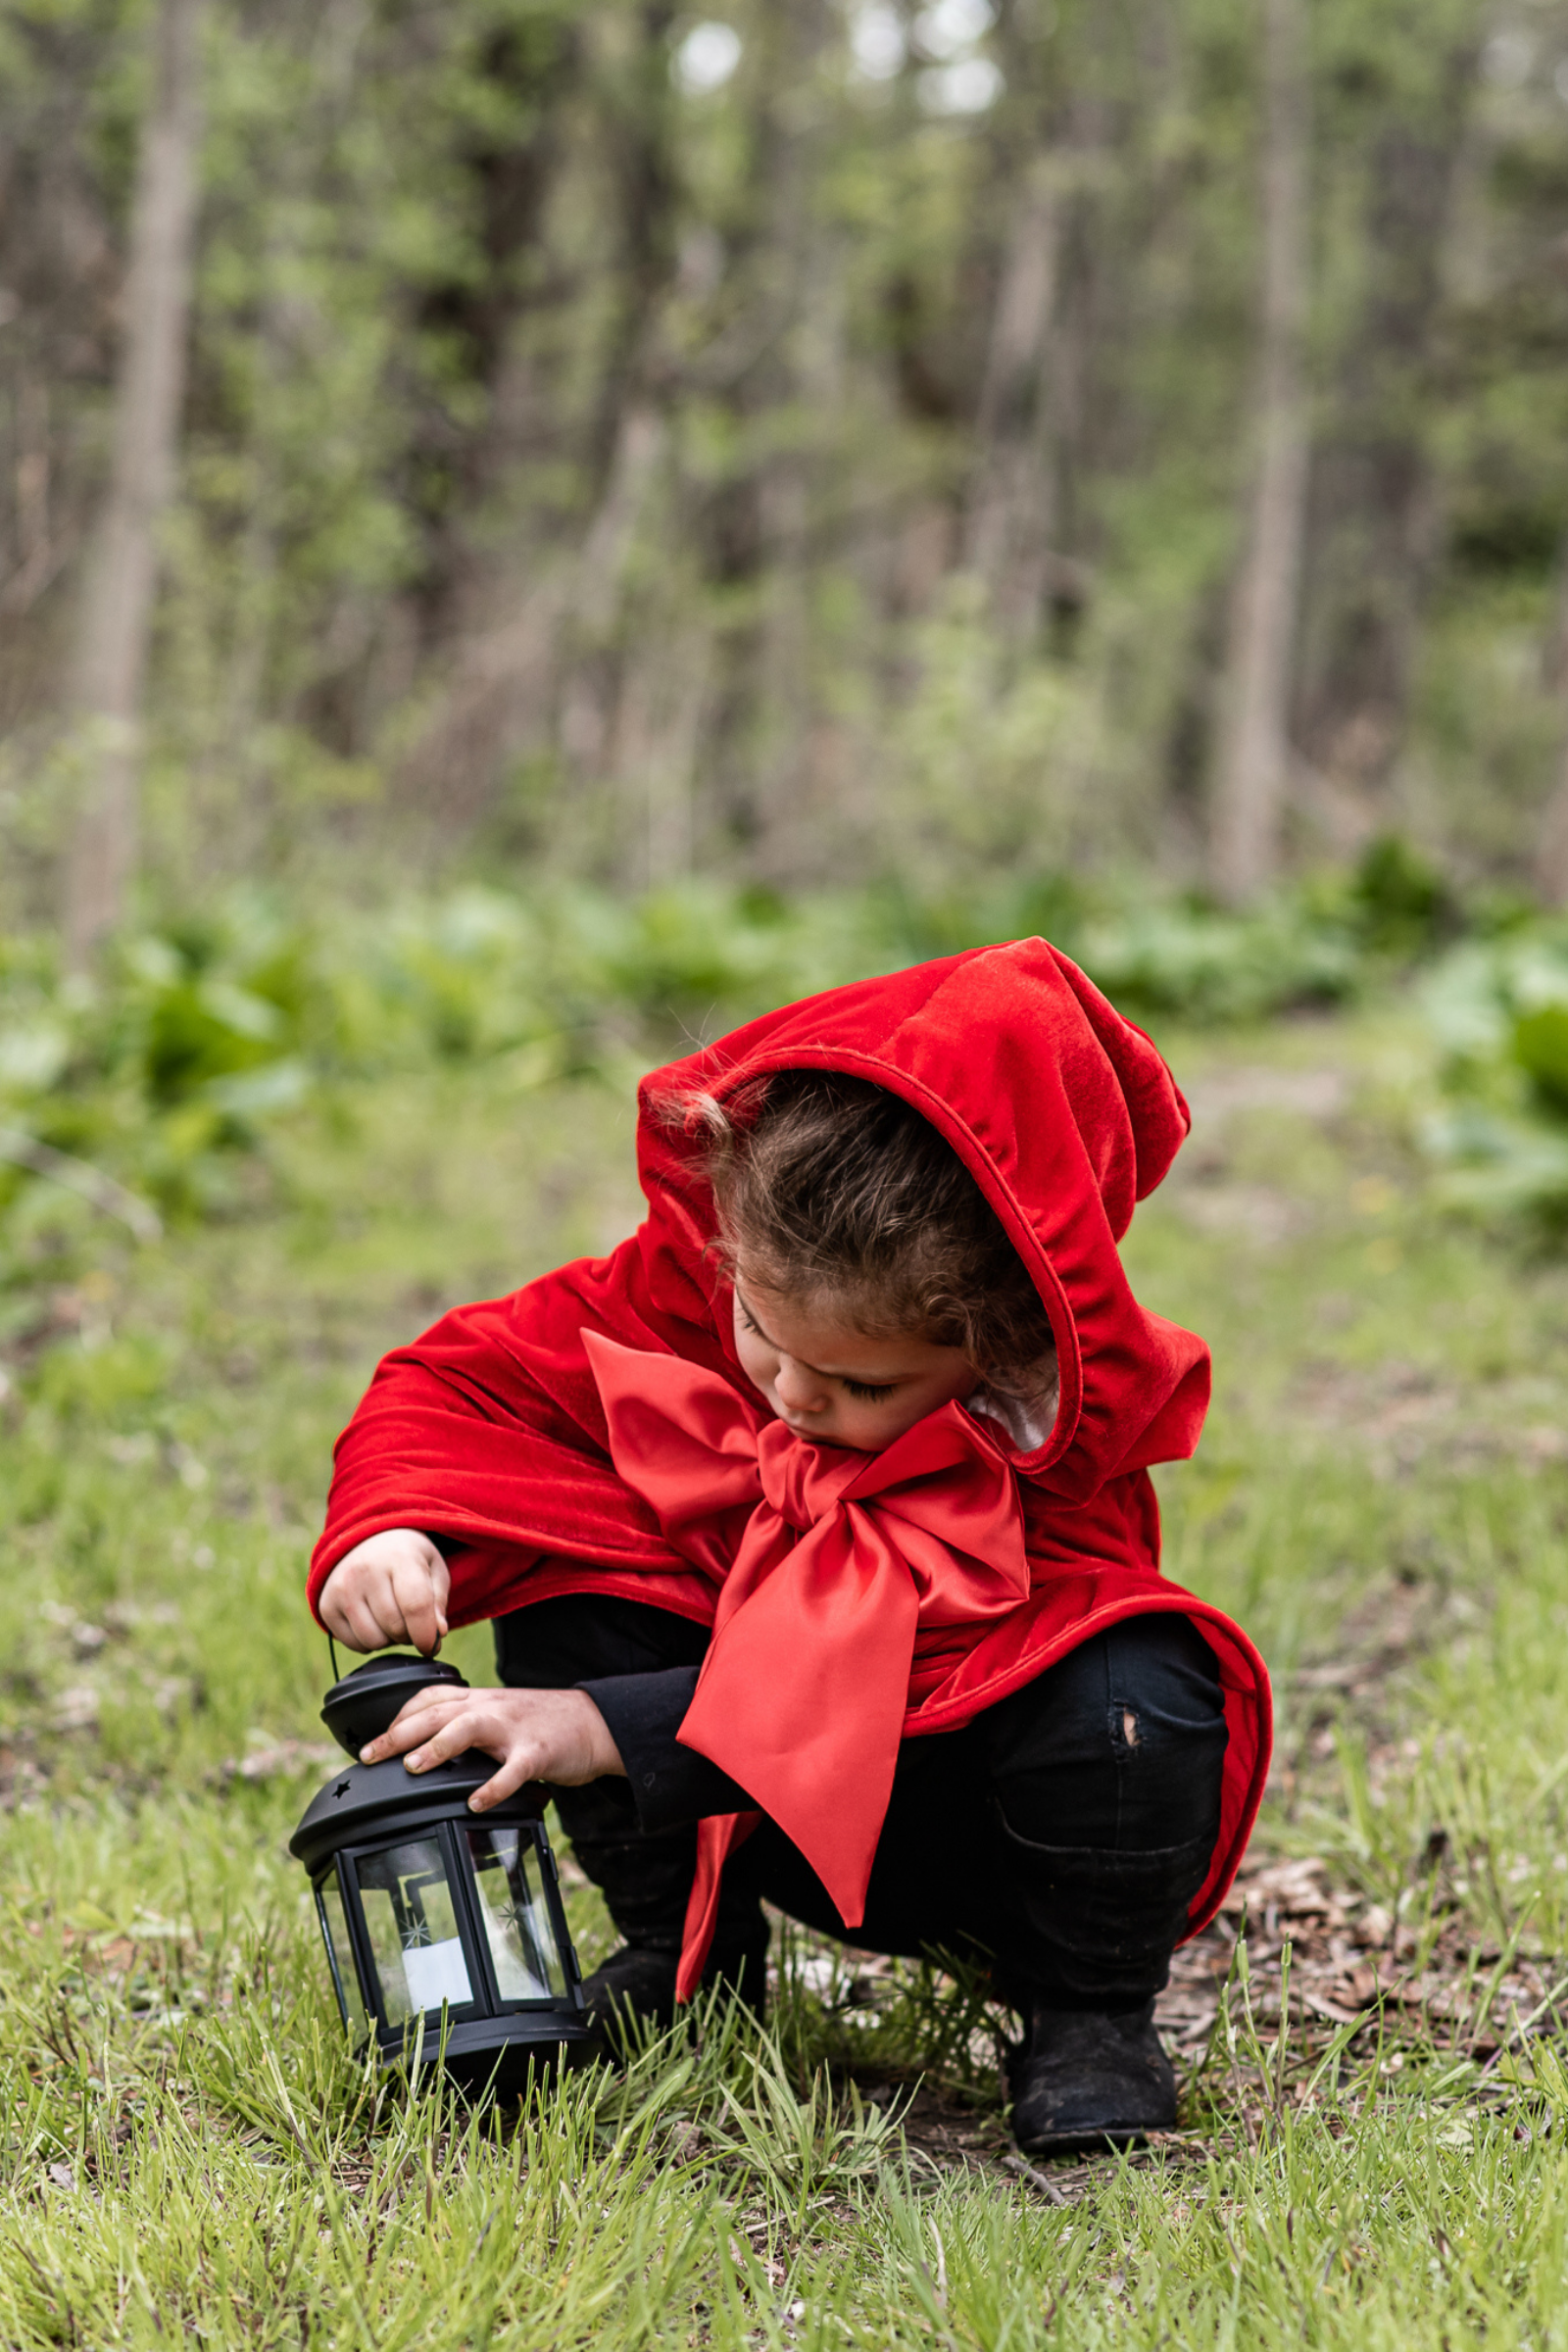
(364, 1799)
(365, 1702)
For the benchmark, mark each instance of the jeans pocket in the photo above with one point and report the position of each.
(1112, 1871)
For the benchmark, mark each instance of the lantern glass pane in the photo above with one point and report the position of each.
(413, 1927)
(340, 1955)
(518, 1925)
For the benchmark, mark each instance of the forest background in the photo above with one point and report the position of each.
(571, 441)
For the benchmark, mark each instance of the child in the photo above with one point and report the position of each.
(817, 1528)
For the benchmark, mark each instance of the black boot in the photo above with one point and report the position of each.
(1087, 1945)
(1080, 2079)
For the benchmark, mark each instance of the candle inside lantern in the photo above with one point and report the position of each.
(411, 1923)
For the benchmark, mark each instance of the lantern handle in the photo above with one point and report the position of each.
(337, 1671)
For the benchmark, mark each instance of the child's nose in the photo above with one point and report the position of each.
(799, 1390)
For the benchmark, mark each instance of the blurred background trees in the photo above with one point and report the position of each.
(827, 440)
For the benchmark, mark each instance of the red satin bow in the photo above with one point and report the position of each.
(827, 1562)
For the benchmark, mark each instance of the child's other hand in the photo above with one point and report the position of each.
(391, 1588)
(557, 1736)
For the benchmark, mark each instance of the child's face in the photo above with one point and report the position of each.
(832, 1384)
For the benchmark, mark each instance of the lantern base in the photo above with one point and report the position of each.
(484, 2054)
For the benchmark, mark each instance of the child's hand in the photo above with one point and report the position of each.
(557, 1736)
(391, 1588)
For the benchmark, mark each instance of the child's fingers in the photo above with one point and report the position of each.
(358, 1605)
(536, 1735)
(552, 1735)
(362, 1619)
(338, 1608)
(467, 1726)
(418, 1593)
(418, 1719)
(521, 1765)
(383, 1611)
(391, 1588)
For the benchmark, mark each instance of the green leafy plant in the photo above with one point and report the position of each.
(1499, 1011)
(164, 1084)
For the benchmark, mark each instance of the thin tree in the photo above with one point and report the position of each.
(1375, 534)
(1008, 525)
(1550, 860)
(1252, 776)
(121, 577)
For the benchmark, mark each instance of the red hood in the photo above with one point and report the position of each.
(1064, 1113)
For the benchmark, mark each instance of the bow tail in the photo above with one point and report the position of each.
(719, 1836)
(801, 1697)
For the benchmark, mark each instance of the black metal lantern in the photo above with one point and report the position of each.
(444, 1928)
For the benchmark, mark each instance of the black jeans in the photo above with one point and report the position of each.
(1059, 1836)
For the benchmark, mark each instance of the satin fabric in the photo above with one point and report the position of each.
(843, 1561)
(491, 1431)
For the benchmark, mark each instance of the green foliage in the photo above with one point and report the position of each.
(1326, 942)
(200, 1034)
(1500, 1013)
(1189, 962)
(210, 1035)
(1323, 943)
(209, 1031)
(1397, 902)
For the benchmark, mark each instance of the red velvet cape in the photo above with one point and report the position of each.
(492, 1429)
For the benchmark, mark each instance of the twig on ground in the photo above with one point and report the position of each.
(1035, 2178)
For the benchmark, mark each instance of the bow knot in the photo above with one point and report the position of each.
(802, 1481)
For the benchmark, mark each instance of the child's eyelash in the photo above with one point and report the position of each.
(857, 1388)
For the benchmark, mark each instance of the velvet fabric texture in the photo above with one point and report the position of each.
(594, 1431)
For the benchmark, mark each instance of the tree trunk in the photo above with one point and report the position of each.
(592, 682)
(785, 264)
(1551, 844)
(512, 164)
(1550, 861)
(1372, 530)
(1009, 518)
(1253, 777)
(119, 591)
(537, 624)
(1045, 140)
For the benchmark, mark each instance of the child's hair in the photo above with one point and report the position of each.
(828, 1186)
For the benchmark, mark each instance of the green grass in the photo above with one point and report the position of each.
(189, 2153)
